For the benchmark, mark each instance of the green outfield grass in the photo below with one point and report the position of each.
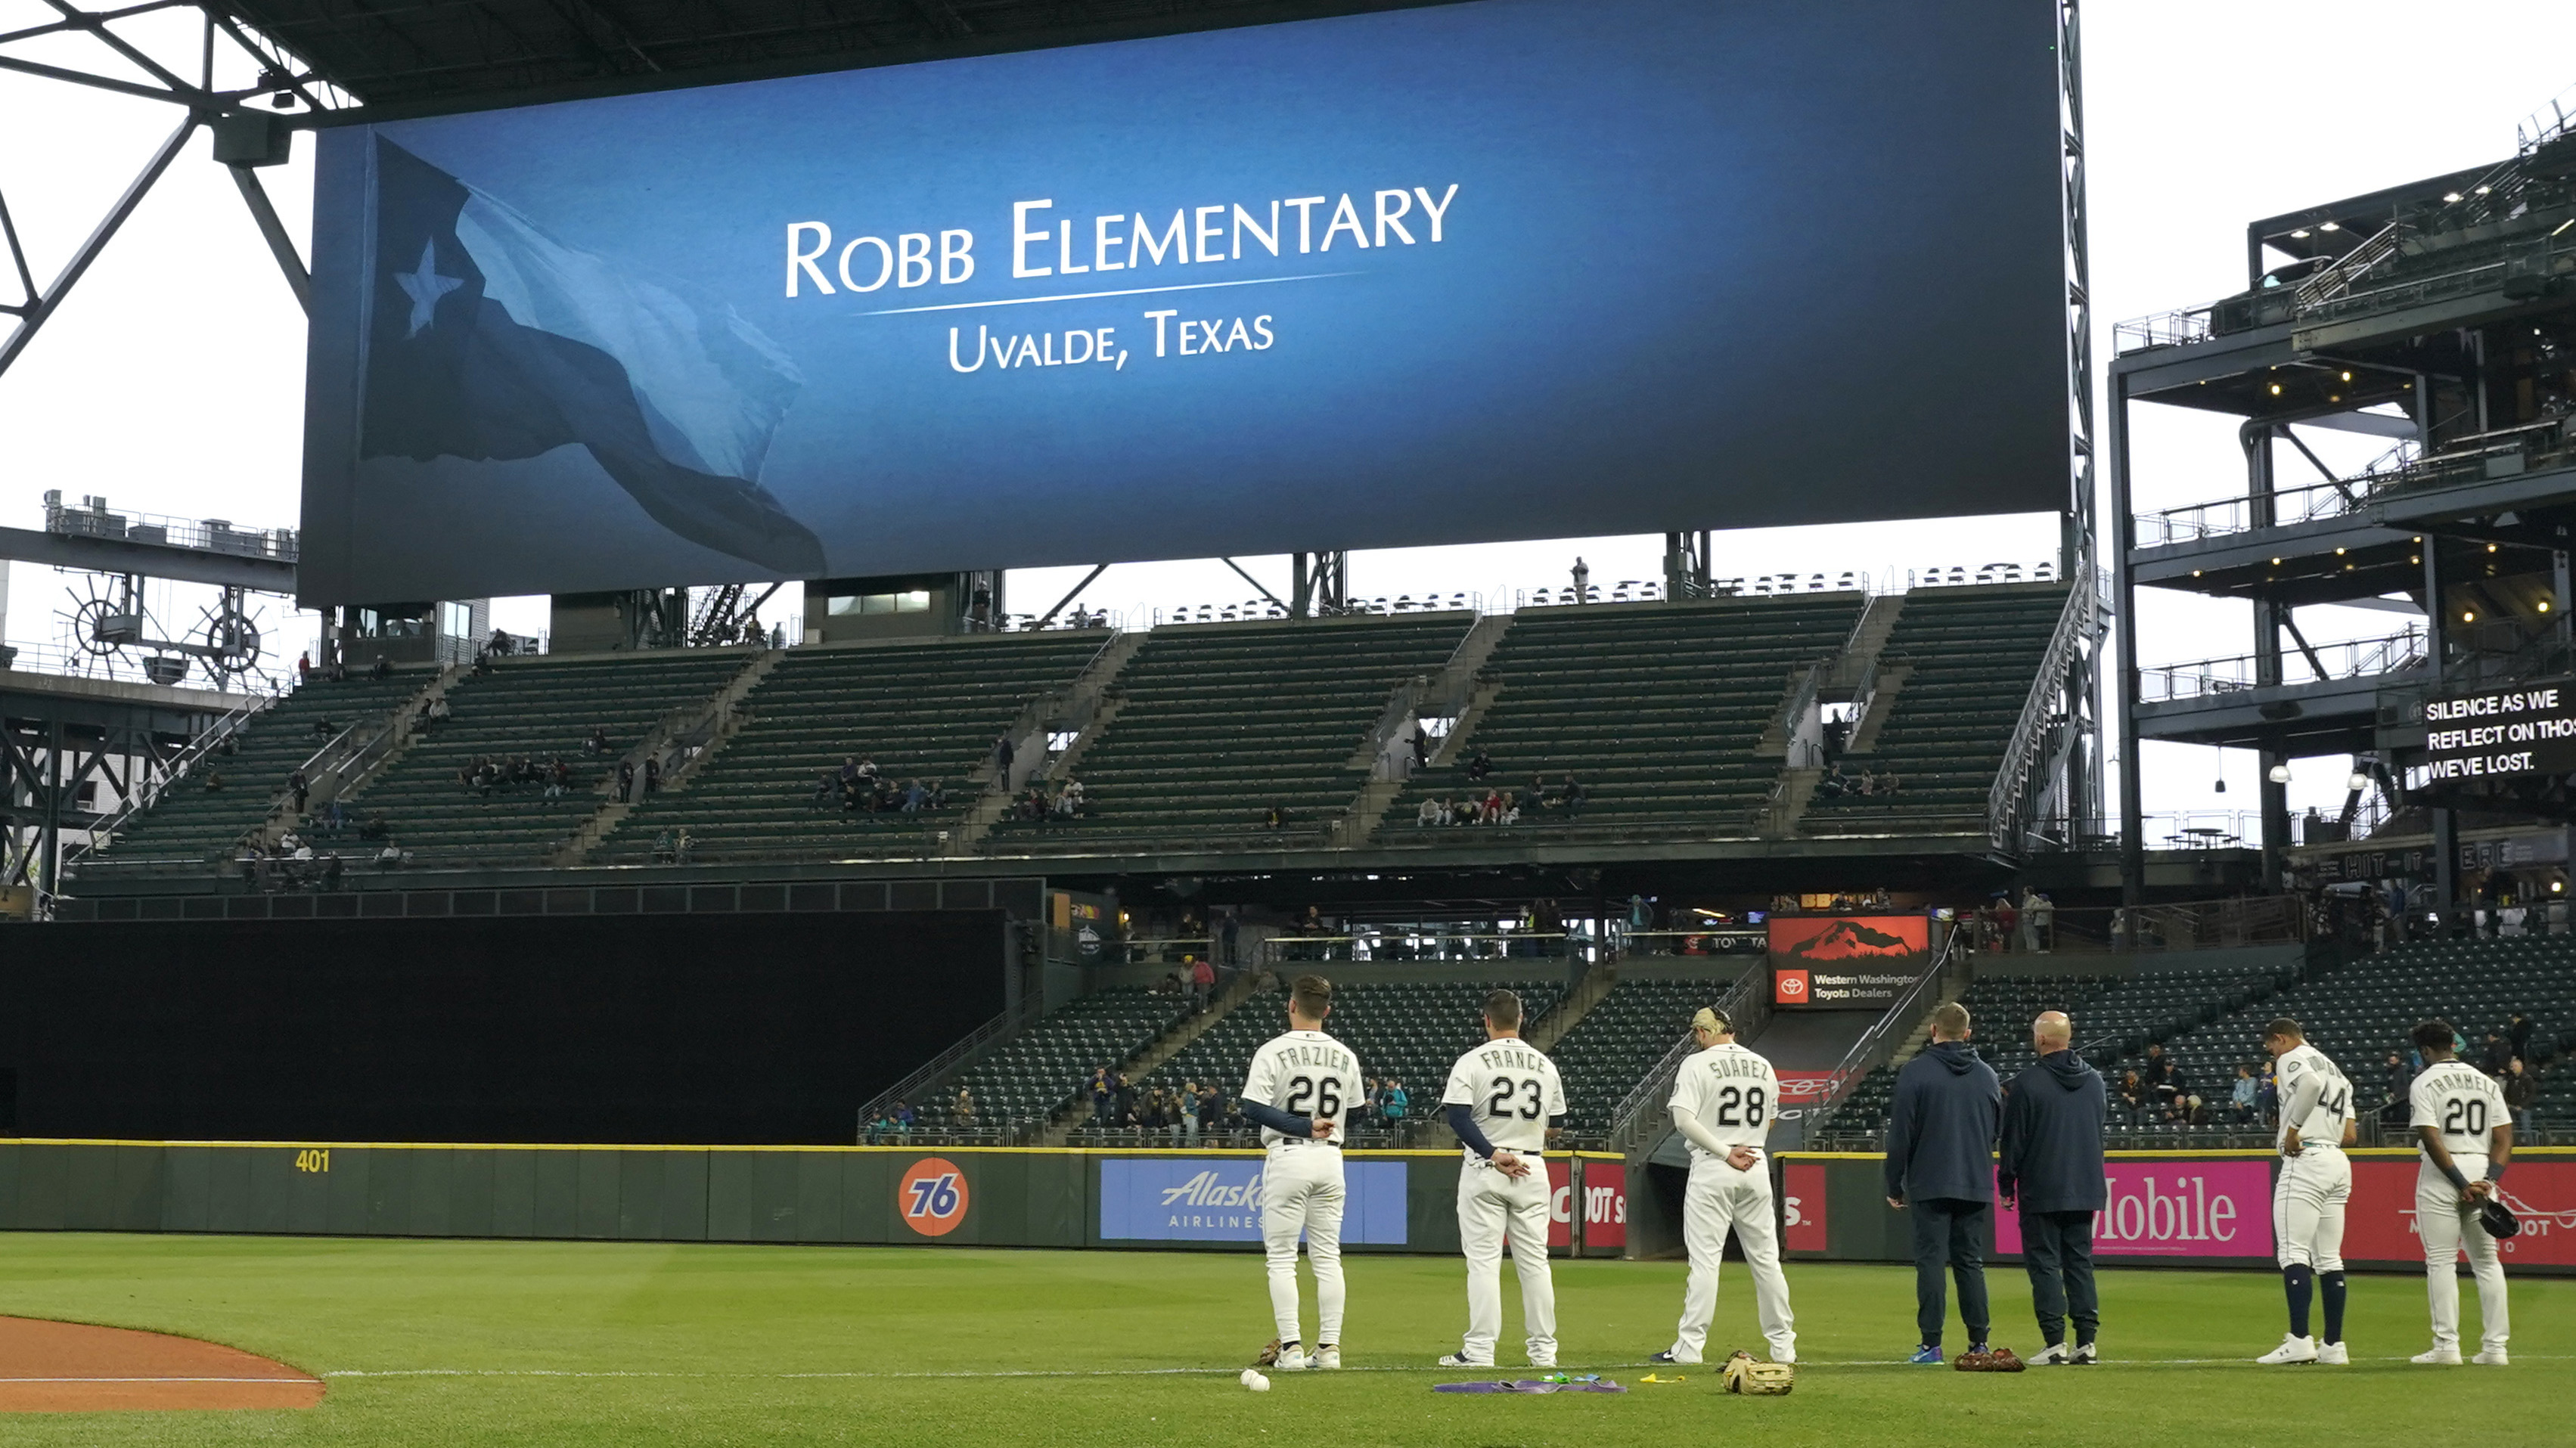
(605, 1343)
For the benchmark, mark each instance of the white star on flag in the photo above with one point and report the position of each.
(425, 287)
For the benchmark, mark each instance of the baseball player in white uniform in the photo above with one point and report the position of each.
(2309, 1198)
(1503, 1099)
(1724, 1100)
(1300, 1092)
(2466, 1132)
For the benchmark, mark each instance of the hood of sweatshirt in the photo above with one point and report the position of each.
(2068, 1068)
(1959, 1056)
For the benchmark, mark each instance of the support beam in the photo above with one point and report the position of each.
(280, 245)
(44, 306)
(1049, 616)
(1248, 578)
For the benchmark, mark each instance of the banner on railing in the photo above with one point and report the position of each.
(1846, 962)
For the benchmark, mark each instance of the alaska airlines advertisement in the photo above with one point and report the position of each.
(1512, 268)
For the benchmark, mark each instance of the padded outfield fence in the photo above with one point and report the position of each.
(2177, 1209)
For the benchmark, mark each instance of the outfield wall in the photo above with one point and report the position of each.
(2206, 1209)
(988, 1196)
(2184, 1209)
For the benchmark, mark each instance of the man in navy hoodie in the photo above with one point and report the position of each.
(1940, 1166)
(2052, 1162)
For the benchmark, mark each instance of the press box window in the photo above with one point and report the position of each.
(455, 620)
(917, 601)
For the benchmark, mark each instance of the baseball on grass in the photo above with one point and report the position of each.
(1255, 1381)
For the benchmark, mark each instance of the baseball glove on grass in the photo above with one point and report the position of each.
(1746, 1374)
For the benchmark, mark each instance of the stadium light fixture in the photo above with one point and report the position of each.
(2450, 196)
(2276, 389)
(2300, 235)
(2483, 190)
(2468, 615)
(2358, 782)
(2544, 605)
(2280, 774)
(2331, 226)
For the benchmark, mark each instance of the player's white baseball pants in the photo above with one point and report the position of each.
(1491, 1208)
(2307, 1208)
(1301, 1191)
(1720, 1198)
(2448, 1224)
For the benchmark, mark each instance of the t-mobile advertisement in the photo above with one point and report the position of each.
(1218, 1199)
(2380, 1227)
(2176, 1209)
(1504, 269)
(1560, 1203)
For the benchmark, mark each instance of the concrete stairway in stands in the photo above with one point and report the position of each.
(1163, 1048)
(712, 725)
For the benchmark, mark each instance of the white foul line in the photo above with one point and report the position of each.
(1085, 296)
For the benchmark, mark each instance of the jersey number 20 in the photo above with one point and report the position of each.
(2467, 1117)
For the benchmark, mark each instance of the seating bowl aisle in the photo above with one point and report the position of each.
(1655, 709)
(191, 830)
(1619, 1041)
(1026, 1079)
(1222, 722)
(542, 708)
(928, 711)
(1974, 654)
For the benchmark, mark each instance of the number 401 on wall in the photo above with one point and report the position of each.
(314, 1159)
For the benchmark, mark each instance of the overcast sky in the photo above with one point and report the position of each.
(172, 381)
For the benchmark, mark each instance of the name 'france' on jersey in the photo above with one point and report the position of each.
(1514, 1090)
(1732, 1091)
(1305, 1073)
(2462, 1103)
(2305, 1069)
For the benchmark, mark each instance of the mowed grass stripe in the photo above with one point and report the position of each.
(615, 1343)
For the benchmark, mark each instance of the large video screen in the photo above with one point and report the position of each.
(1491, 270)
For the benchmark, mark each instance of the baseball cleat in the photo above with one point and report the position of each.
(1461, 1360)
(1925, 1356)
(1291, 1360)
(1788, 1358)
(2293, 1349)
(2493, 1357)
(1672, 1359)
(1326, 1359)
(2054, 1355)
(2440, 1357)
(1537, 1361)
(2085, 1355)
(2334, 1354)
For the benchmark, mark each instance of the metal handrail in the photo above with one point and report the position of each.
(2004, 796)
(1747, 1003)
(150, 792)
(2363, 658)
(1011, 1019)
(1873, 1048)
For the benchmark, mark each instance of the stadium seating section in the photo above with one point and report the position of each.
(190, 827)
(919, 711)
(1619, 1041)
(1410, 1031)
(1655, 709)
(1974, 654)
(1221, 722)
(1027, 1078)
(541, 708)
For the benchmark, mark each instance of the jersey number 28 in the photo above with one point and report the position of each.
(1747, 1099)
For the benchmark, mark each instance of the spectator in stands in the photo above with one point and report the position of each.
(304, 667)
(1202, 982)
(2517, 1034)
(1421, 746)
(597, 743)
(1511, 809)
(652, 774)
(1478, 766)
(2493, 1055)
(1275, 818)
(214, 781)
(1002, 753)
(2244, 1104)
(2133, 1097)
(1571, 795)
(1126, 1089)
(2271, 1094)
(322, 728)
(1492, 811)
(1940, 1138)
(914, 796)
(1582, 581)
(301, 788)
(681, 846)
(1834, 784)
(2157, 1068)
(389, 858)
(1101, 1095)
(903, 1120)
(961, 1112)
(1428, 814)
(2007, 922)
(2519, 1089)
(626, 781)
(1397, 1103)
(1211, 1110)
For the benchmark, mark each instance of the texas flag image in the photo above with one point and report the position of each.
(489, 339)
